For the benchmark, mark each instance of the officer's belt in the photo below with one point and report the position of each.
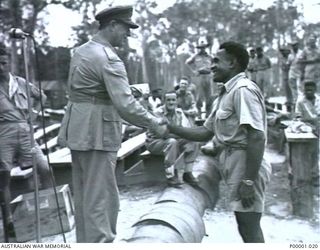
(205, 73)
(89, 99)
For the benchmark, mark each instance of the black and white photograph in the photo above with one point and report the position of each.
(159, 121)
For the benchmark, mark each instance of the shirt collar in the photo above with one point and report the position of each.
(232, 82)
(13, 86)
(99, 39)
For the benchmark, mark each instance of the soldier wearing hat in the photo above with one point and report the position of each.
(200, 64)
(100, 97)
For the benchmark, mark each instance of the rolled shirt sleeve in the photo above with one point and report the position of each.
(250, 108)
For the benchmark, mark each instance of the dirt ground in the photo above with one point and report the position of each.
(278, 223)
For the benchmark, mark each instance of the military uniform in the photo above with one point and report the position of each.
(263, 65)
(203, 79)
(185, 101)
(171, 146)
(99, 96)
(15, 142)
(241, 103)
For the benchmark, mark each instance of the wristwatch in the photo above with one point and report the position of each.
(248, 182)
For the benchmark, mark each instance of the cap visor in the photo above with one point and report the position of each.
(131, 24)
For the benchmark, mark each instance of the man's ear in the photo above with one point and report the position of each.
(113, 24)
(233, 63)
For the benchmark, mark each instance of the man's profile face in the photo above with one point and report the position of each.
(221, 66)
(4, 66)
(170, 101)
(122, 31)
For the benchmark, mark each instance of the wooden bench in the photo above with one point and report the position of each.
(52, 145)
(127, 156)
(51, 131)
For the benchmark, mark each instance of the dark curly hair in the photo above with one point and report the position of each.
(238, 51)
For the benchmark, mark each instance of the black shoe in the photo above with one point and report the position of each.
(189, 178)
(174, 182)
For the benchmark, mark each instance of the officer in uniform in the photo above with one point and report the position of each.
(200, 64)
(99, 97)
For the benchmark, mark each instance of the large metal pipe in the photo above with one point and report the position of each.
(176, 216)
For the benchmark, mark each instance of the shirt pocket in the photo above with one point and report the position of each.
(112, 128)
(21, 100)
(225, 122)
(5, 104)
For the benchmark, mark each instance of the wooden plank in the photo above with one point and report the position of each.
(299, 137)
(39, 133)
(50, 144)
(64, 156)
(61, 156)
(131, 145)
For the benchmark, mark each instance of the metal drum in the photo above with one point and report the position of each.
(155, 231)
(179, 218)
(191, 196)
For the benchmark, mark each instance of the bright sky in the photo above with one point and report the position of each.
(60, 20)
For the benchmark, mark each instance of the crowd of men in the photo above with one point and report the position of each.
(100, 98)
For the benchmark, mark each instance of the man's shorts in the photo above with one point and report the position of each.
(232, 163)
(15, 146)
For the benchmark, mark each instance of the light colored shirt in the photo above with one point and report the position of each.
(200, 62)
(14, 103)
(307, 110)
(262, 64)
(311, 70)
(295, 67)
(241, 104)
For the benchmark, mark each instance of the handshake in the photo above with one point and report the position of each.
(160, 127)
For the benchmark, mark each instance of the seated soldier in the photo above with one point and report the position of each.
(308, 107)
(186, 101)
(308, 111)
(172, 146)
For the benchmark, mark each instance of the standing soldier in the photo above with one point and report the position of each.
(263, 65)
(238, 123)
(294, 71)
(251, 69)
(309, 59)
(200, 64)
(285, 65)
(99, 97)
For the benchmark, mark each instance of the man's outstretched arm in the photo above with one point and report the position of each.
(191, 134)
